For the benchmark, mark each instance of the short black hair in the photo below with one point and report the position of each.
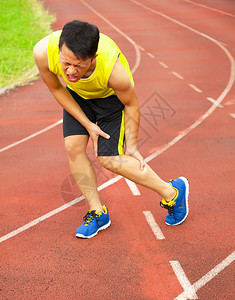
(81, 38)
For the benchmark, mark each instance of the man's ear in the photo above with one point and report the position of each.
(94, 57)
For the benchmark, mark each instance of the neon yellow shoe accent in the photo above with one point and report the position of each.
(97, 220)
(89, 219)
(172, 202)
(99, 212)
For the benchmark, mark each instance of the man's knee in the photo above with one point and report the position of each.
(75, 145)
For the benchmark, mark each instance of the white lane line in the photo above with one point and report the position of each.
(40, 219)
(55, 211)
(153, 225)
(214, 101)
(232, 115)
(195, 88)
(141, 48)
(210, 275)
(133, 187)
(215, 271)
(163, 65)
(183, 280)
(109, 182)
(177, 75)
(31, 136)
(211, 8)
(150, 55)
(137, 48)
(219, 44)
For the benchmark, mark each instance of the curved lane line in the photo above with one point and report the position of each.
(137, 49)
(211, 8)
(217, 101)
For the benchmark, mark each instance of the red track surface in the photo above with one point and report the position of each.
(186, 56)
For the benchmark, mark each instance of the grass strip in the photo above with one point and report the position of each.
(22, 24)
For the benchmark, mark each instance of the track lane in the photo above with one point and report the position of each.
(122, 269)
(137, 240)
(150, 142)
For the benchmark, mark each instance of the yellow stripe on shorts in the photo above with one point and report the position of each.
(121, 136)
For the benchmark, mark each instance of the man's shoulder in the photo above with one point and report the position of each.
(55, 36)
(40, 51)
(108, 51)
(48, 41)
(45, 48)
(106, 44)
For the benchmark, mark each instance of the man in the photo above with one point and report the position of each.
(100, 102)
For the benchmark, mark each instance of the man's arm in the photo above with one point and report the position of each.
(120, 82)
(61, 94)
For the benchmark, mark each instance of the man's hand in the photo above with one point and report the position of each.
(135, 153)
(95, 132)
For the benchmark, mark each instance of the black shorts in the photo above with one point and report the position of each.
(108, 113)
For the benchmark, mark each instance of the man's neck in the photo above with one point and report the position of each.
(91, 69)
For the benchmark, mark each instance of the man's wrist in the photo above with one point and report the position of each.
(88, 125)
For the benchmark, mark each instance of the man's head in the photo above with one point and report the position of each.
(77, 49)
(81, 38)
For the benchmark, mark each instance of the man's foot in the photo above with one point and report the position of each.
(94, 221)
(178, 207)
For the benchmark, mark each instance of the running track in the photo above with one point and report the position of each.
(182, 56)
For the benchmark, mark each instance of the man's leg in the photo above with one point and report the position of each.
(82, 169)
(76, 139)
(129, 167)
(97, 217)
(175, 193)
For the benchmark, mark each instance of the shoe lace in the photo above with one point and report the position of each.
(89, 217)
(168, 207)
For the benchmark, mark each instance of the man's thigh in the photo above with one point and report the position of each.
(110, 118)
(116, 129)
(71, 126)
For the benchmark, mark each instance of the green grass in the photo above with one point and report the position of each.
(22, 24)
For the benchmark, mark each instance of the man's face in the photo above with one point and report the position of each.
(74, 68)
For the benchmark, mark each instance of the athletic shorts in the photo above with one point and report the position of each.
(108, 113)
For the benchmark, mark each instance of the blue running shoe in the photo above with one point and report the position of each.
(178, 207)
(94, 221)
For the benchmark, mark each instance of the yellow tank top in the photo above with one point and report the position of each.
(95, 86)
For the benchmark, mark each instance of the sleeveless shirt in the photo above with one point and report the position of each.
(96, 85)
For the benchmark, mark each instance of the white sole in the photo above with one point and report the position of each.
(94, 234)
(186, 196)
